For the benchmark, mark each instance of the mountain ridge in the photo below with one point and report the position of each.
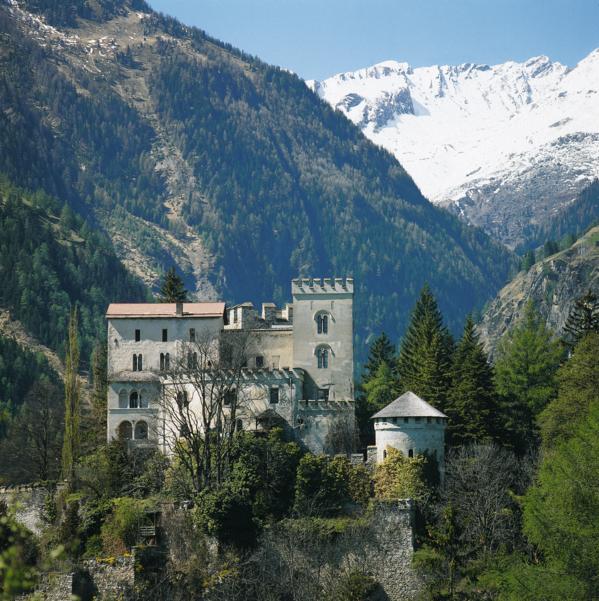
(502, 145)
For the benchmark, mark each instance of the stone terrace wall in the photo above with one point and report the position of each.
(29, 502)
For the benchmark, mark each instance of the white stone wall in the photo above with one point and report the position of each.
(122, 345)
(417, 434)
(335, 298)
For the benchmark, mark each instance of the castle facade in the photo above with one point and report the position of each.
(233, 366)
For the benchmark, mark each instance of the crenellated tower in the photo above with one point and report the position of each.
(323, 336)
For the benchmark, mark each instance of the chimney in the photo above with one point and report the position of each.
(179, 309)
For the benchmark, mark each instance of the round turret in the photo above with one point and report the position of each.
(412, 426)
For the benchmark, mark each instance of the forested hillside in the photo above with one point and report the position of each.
(51, 260)
(229, 168)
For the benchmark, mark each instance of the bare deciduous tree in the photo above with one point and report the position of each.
(203, 393)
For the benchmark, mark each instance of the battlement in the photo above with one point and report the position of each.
(322, 405)
(322, 286)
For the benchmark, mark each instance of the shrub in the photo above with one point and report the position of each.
(119, 532)
(399, 477)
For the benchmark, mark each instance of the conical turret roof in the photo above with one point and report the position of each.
(408, 405)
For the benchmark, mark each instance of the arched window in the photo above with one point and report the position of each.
(167, 361)
(125, 431)
(322, 323)
(322, 357)
(192, 360)
(123, 403)
(134, 362)
(144, 399)
(137, 363)
(134, 400)
(161, 361)
(410, 452)
(141, 431)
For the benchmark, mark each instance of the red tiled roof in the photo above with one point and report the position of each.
(120, 310)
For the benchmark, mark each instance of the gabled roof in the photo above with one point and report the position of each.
(408, 405)
(128, 310)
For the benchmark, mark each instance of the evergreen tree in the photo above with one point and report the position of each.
(97, 419)
(425, 355)
(578, 382)
(380, 355)
(528, 260)
(560, 520)
(583, 318)
(528, 358)
(172, 289)
(471, 399)
(381, 351)
(72, 414)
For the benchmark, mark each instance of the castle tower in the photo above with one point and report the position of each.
(412, 426)
(323, 336)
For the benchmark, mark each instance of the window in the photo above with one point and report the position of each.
(406, 419)
(259, 361)
(192, 334)
(323, 394)
(134, 362)
(230, 397)
(137, 363)
(322, 323)
(143, 399)
(165, 361)
(133, 400)
(137, 335)
(322, 356)
(161, 361)
(428, 420)
(410, 452)
(141, 431)
(274, 395)
(385, 454)
(235, 316)
(123, 403)
(238, 425)
(417, 419)
(164, 335)
(125, 431)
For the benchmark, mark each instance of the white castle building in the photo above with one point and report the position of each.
(295, 370)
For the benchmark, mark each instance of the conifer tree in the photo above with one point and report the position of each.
(528, 359)
(583, 318)
(381, 351)
(424, 358)
(72, 416)
(378, 380)
(471, 399)
(172, 289)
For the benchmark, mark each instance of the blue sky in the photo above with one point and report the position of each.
(317, 38)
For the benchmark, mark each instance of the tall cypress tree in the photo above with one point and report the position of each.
(583, 318)
(471, 399)
(72, 403)
(424, 361)
(172, 289)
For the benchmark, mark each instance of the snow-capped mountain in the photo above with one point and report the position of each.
(506, 145)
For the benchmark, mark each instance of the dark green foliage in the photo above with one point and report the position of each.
(425, 353)
(571, 221)
(324, 486)
(471, 404)
(17, 556)
(578, 381)
(381, 351)
(355, 586)
(525, 369)
(31, 450)
(172, 289)
(560, 519)
(550, 248)
(19, 370)
(46, 269)
(583, 318)
(528, 260)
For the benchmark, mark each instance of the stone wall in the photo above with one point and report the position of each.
(29, 502)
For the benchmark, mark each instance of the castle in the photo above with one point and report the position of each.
(291, 367)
